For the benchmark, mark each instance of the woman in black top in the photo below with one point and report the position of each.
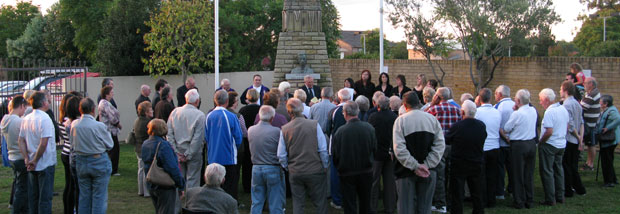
(164, 107)
(384, 84)
(420, 87)
(249, 113)
(401, 86)
(364, 86)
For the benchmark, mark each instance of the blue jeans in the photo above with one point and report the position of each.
(20, 199)
(335, 183)
(41, 190)
(268, 183)
(93, 178)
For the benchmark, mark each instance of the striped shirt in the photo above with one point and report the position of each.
(64, 136)
(447, 115)
(591, 107)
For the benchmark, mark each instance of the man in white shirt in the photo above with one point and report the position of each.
(551, 149)
(504, 106)
(492, 120)
(36, 143)
(520, 130)
(301, 95)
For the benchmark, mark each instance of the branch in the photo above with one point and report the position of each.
(495, 64)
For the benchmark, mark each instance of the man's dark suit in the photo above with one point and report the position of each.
(309, 95)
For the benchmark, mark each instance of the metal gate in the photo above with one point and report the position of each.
(57, 76)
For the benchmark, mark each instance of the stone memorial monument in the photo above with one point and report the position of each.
(301, 46)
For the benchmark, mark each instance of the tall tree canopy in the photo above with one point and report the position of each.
(58, 36)
(30, 43)
(86, 17)
(13, 21)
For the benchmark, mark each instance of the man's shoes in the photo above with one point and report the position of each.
(335, 206)
(116, 174)
(441, 209)
(500, 197)
(609, 185)
(561, 201)
(517, 206)
(547, 203)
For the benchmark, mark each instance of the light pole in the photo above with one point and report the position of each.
(217, 44)
(594, 16)
(381, 36)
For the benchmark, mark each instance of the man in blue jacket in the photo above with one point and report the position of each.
(223, 137)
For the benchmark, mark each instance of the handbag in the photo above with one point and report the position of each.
(609, 136)
(157, 175)
(131, 138)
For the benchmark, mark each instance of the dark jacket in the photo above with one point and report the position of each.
(395, 91)
(163, 110)
(141, 98)
(336, 120)
(387, 92)
(467, 139)
(56, 127)
(367, 90)
(309, 96)
(181, 95)
(165, 159)
(261, 93)
(249, 113)
(140, 132)
(383, 122)
(353, 148)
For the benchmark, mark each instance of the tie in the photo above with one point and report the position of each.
(311, 91)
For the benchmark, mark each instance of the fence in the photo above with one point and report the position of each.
(56, 76)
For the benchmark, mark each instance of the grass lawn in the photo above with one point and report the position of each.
(123, 193)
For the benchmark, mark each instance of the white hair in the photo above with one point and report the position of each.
(283, 86)
(362, 102)
(444, 92)
(344, 95)
(469, 108)
(350, 108)
(395, 103)
(307, 77)
(377, 95)
(466, 96)
(300, 94)
(144, 87)
(266, 112)
(547, 93)
(214, 174)
(295, 107)
(224, 81)
(192, 96)
(504, 90)
(523, 95)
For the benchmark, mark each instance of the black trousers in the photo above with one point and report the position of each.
(607, 163)
(246, 166)
(114, 154)
(523, 164)
(472, 173)
(503, 163)
(69, 198)
(570, 163)
(164, 200)
(231, 180)
(491, 168)
(356, 193)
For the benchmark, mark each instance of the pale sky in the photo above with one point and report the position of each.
(364, 15)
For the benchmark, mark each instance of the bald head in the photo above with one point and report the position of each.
(145, 90)
(294, 107)
(443, 93)
(190, 83)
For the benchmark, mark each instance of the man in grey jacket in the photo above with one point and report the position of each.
(186, 128)
(418, 146)
(10, 131)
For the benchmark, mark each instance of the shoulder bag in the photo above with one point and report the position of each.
(608, 136)
(157, 175)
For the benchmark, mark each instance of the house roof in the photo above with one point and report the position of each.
(352, 38)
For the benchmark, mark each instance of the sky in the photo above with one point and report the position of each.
(364, 15)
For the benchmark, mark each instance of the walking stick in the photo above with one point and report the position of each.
(598, 164)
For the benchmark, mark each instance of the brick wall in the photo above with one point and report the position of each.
(533, 73)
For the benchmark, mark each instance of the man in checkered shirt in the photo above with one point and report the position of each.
(447, 115)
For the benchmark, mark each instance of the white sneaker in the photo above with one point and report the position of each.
(441, 209)
(335, 206)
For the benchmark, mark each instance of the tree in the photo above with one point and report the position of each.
(399, 50)
(601, 4)
(58, 36)
(485, 29)
(331, 27)
(30, 44)
(181, 38)
(590, 35)
(420, 32)
(563, 48)
(86, 17)
(13, 21)
(121, 49)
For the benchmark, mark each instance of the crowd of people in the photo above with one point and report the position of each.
(426, 151)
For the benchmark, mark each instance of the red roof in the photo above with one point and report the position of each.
(80, 75)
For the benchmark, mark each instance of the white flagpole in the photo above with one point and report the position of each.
(217, 44)
(381, 36)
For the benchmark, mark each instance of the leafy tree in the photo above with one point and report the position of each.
(331, 27)
(121, 49)
(399, 50)
(563, 48)
(30, 44)
(486, 28)
(86, 17)
(590, 36)
(181, 39)
(542, 42)
(601, 4)
(372, 43)
(58, 36)
(420, 32)
(13, 21)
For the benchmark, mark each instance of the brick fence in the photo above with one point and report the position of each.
(532, 73)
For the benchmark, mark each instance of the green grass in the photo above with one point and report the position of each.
(123, 193)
